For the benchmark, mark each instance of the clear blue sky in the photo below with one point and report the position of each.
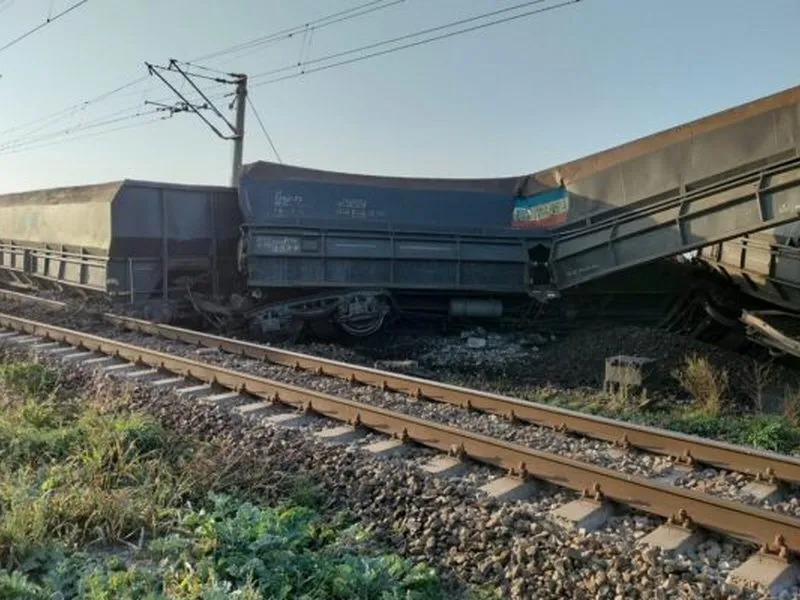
(503, 101)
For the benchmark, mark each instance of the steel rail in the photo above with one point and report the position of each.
(731, 518)
(726, 456)
(8, 294)
(658, 441)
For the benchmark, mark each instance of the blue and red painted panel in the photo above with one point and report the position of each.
(545, 209)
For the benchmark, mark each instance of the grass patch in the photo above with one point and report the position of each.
(28, 379)
(708, 415)
(97, 503)
(767, 432)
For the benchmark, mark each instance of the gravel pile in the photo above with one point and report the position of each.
(477, 349)
(574, 361)
(526, 359)
(510, 548)
(579, 359)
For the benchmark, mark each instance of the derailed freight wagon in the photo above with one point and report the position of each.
(325, 248)
(293, 247)
(135, 242)
(725, 187)
(692, 187)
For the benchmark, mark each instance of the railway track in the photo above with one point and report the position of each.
(685, 449)
(773, 532)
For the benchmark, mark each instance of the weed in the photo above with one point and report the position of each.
(483, 592)
(222, 466)
(258, 552)
(770, 433)
(545, 393)
(702, 423)
(706, 384)
(791, 406)
(757, 377)
(16, 585)
(81, 479)
(304, 492)
(24, 444)
(28, 379)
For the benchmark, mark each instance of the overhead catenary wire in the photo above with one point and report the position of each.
(105, 119)
(449, 34)
(108, 119)
(82, 137)
(29, 138)
(307, 31)
(318, 23)
(329, 19)
(76, 106)
(43, 122)
(82, 127)
(264, 129)
(46, 22)
(20, 144)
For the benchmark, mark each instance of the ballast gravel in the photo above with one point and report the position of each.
(714, 482)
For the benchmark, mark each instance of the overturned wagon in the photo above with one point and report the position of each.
(135, 242)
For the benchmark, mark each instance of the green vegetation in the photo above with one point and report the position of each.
(706, 385)
(768, 432)
(28, 379)
(97, 503)
(709, 414)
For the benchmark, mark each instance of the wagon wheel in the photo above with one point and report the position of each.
(364, 327)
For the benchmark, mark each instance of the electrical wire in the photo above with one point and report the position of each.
(414, 44)
(23, 143)
(47, 22)
(327, 20)
(104, 120)
(309, 29)
(74, 106)
(28, 135)
(264, 129)
(80, 137)
(330, 19)
(71, 130)
(204, 68)
(289, 32)
(415, 34)
(69, 111)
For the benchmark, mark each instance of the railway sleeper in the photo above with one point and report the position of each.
(761, 489)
